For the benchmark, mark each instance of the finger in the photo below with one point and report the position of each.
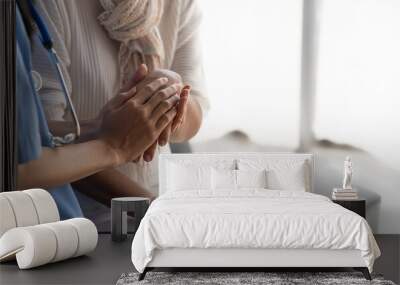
(165, 135)
(139, 75)
(122, 97)
(181, 109)
(137, 159)
(180, 87)
(187, 87)
(182, 104)
(119, 99)
(161, 96)
(165, 119)
(149, 153)
(165, 106)
(147, 91)
(178, 120)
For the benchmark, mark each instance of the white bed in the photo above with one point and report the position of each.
(193, 224)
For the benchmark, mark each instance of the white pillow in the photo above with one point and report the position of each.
(285, 174)
(293, 179)
(223, 179)
(251, 178)
(188, 177)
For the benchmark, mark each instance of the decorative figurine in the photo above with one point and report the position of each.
(348, 174)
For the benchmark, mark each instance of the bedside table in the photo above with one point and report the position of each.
(356, 206)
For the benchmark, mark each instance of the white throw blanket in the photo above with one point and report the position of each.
(250, 219)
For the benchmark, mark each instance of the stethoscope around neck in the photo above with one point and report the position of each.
(47, 43)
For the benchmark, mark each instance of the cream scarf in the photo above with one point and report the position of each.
(134, 23)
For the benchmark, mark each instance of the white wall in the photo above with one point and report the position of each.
(376, 181)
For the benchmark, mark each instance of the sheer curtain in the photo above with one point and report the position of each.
(358, 76)
(252, 54)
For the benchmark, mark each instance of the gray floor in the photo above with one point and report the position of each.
(389, 262)
(103, 266)
(110, 260)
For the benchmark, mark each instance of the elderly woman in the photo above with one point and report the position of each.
(101, 43)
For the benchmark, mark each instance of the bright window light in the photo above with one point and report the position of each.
(252, 52)
(358, 82)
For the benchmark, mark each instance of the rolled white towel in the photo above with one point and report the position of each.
(45, 205)
(40, 244)
(87, 235)
(7, 218)
(67, 240)
(32, 246)
(23, 208)
(26, 208)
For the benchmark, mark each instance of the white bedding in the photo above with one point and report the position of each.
(250, 218)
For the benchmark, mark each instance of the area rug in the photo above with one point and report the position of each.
(244, 278)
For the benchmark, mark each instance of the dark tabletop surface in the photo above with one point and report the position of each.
(102, 266)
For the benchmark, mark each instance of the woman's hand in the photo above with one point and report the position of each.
(172, 128)
(176, 78)
(164, 137)
(181, 109)
(134, 120)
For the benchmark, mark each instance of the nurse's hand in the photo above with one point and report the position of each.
(116, 101)
(134, 120)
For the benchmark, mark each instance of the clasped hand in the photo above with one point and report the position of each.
(147, 111)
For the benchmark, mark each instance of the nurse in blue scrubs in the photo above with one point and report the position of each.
(41, 164)
(33, 132)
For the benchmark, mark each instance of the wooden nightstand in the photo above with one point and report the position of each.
(357, 206)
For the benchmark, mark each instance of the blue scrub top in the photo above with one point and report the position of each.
(33, 132)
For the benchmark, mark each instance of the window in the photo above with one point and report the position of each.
(358, 75)
(252, 58)
(252, 64)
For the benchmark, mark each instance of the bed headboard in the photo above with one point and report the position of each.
(218, 159)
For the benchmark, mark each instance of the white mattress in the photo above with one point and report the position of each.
(252, 218)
